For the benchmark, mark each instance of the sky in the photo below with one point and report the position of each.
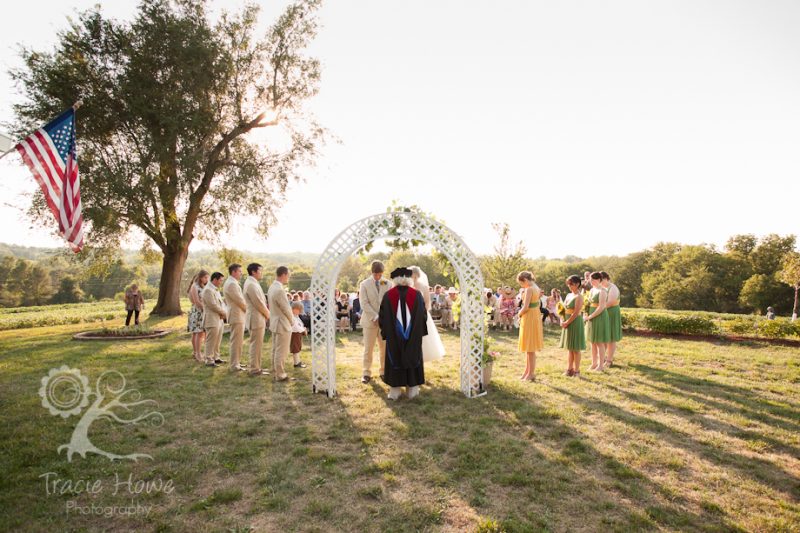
(592, 128)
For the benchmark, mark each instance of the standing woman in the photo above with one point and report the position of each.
(614, 317)
(134, 301)
(531, 331)
(600, 334)
(572, 336)
(195, 326)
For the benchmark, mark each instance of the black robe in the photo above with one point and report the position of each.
(403, 344)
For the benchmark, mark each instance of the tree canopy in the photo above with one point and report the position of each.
(169, 99)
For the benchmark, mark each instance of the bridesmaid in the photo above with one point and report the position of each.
(195, 325)
(572, 337)
(531, 330)
(614, 317)
(600, 334)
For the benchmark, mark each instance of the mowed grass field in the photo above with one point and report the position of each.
(681, 436)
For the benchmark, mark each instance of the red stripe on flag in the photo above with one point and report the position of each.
(39, 179)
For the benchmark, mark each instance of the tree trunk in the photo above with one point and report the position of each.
(170, 289)
(794, 309)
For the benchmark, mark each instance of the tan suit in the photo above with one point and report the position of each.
(370, 297)
(280, 325)
(237, 309)
(213, 306)
(257, 313)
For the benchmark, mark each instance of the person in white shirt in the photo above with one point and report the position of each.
(298, 331)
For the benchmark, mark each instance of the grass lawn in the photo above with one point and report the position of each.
(682, 435)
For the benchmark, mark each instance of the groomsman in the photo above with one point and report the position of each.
(237, 308)
(281, 323)
(259, 314)
(213, 315)
(370, 295)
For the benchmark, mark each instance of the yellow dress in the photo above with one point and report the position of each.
(531, 330)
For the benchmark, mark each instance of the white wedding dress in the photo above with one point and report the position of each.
(432, 346)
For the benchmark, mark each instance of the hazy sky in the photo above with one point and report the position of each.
(591, 127)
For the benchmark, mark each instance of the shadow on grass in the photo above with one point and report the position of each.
(509, 444)
(707, 423)
(751, 403)
(760, 470)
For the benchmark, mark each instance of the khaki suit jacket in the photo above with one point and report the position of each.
(212, 306)
(282, 316)
(234, 297)
(370, 299)
(256, 305)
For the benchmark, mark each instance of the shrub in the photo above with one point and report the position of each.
(741, 326)
(777, 329)
(678, 324)
(629, 320)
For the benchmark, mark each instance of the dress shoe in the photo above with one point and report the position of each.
(219, 361)
(395, 393)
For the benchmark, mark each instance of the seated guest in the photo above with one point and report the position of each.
(489, 305)
(298, 331)
(543, 307)
(355, 313)
(343, 312)
(305, 316)
(770, 313)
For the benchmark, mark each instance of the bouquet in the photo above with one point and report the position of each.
(587, 303)
(561, 310)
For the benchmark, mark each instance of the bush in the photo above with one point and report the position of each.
(629, 320)
(778, 329)
(677, 324)
(741, 326)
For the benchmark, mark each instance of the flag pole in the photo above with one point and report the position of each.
(75, 107)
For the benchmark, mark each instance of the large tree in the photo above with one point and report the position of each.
(169, 99)
(790, 274)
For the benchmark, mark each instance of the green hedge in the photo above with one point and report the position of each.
(705, 323)
(671, 324)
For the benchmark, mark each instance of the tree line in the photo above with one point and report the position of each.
(748, 275)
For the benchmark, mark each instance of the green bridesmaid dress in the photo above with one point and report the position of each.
(572, 337)
(587, 324)
(600, 332)
(615, 322)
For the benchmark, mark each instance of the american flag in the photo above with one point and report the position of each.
(50, 153)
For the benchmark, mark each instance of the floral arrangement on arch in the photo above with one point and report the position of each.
(489, 355)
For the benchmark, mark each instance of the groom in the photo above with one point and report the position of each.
(370, 295)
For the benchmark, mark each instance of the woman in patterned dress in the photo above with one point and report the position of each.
(531, 330)
(572, 334)
(195, 326)
(600, 334)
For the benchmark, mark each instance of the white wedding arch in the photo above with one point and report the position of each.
(406, 225)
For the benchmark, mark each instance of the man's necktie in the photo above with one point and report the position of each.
(377, 285)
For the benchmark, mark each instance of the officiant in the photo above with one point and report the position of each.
(402, 320)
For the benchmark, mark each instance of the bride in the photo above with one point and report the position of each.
(432, 347)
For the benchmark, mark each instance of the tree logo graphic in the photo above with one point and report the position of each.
(65, 392)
